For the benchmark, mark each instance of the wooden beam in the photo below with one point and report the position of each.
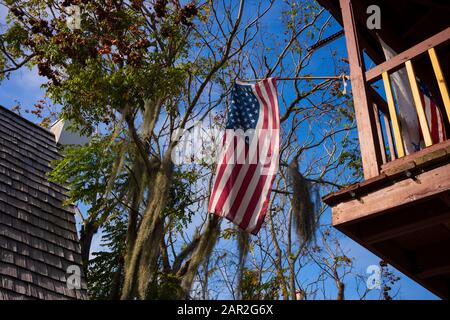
(401, 260)
(381, 103)
(390, 228)
(432, 260)
(404, 192)
(418, 103)
(434, 271)
(446, 199)
(395, 255)
(441, 80)
(368, 138)
(415, 163)
(421, 263)
(393, 115)
(435, 154)
(412, 29)
(442, 5)
(397, 61)
(366, 39)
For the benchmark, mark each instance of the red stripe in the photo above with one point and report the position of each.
(249, 213)
(251, 168)
(434, 122)
(265, 205)
(272, 105)
(219, 172)
(263, 212)
(226, 192)
(265, 106)
(254, 201)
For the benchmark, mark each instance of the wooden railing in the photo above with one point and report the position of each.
(404, 59)
(389, 114)
(371, 110)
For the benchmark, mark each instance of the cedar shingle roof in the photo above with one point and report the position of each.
(38, 237)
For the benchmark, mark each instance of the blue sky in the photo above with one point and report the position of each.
(24, 86)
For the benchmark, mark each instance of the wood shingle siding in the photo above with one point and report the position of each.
(38, 237)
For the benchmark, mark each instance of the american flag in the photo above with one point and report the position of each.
(248, 161)
(433, 113)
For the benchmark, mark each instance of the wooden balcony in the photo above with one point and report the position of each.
(403, 215)
(401, 211)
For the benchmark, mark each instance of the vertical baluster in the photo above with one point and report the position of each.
(387, 125)
(440, 80)
(393, 116)
(379, 132)
(419, 105)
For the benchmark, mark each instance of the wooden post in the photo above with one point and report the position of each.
(441, 80)
(368, 138)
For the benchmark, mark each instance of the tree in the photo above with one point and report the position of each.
(137, 73)
(124, 69)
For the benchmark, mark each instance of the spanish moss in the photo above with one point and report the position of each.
(303, 204)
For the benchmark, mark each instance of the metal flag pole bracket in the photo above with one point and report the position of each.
(343, 77)
(340, 77)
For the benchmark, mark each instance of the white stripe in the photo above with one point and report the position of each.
(251, 187)
(268, 184)
(277, 111)
(237, 186)
(243, 171)
(273, 166)
(428, 112)
(220, 159)
(229, 151)
(257, 174)
(228, 171)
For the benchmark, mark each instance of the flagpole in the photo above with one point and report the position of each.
(341, 77)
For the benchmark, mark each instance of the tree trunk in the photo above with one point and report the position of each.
(116, 282)
(293, 291)
(86, 234)
(202, 251)
(278, 257)
(341, 290)
(136, 195)
(141, 260)
(243, 242)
